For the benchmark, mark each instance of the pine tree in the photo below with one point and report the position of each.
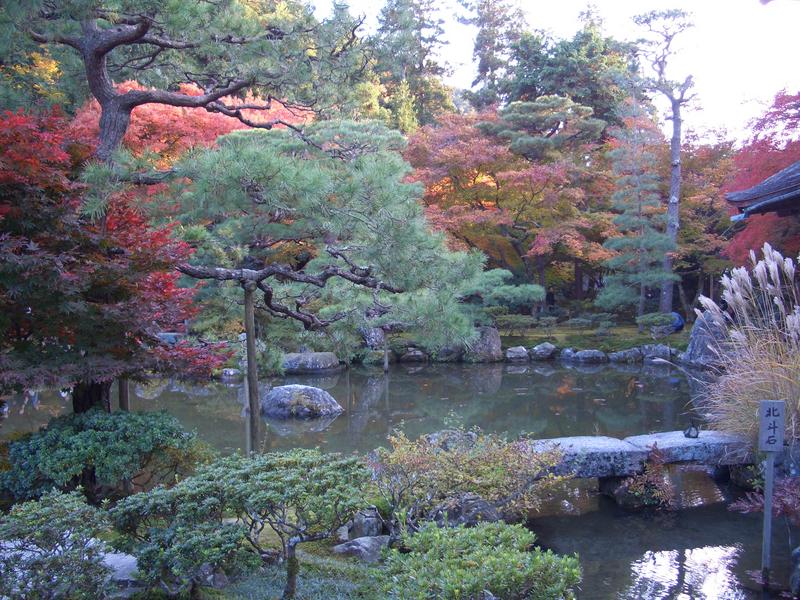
(640, 249)
(500, 24)
(407, 43)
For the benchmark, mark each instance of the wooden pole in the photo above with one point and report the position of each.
(124, 394)
(769, 477)
(771, 429)
(252, 370)
(385, 354)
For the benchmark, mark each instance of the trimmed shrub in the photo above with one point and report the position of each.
(466, 563)
(215, 519)
(48, 549)
(104, 453)
(414, 477)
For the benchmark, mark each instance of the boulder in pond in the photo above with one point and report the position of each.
(298, 427)
(367, 549)
(301, 363)
(517, 354)
(631, 355)
(299, 402)
(543, 351)
(705, 343)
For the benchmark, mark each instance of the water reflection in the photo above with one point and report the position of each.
(546, 400)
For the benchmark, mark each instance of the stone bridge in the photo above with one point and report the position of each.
(601, 456)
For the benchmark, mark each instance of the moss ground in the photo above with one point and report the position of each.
(617, 338)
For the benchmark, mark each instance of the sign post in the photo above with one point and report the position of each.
(771, 425)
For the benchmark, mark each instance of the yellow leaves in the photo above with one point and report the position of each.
(43, 70)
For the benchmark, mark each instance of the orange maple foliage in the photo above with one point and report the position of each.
(169, 131)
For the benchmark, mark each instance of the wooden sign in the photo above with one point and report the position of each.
(771, 425)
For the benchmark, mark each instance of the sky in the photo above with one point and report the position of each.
(740, 52)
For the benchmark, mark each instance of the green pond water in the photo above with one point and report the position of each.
(700, 551)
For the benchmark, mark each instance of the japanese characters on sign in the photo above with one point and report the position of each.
(771, 425)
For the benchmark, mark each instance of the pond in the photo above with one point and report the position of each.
(703, 551)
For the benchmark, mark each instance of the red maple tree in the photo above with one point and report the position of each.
(774, 145)
(81, 302)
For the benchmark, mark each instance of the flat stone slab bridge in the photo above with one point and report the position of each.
(607, 457)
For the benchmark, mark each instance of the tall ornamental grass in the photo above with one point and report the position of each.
(759, 358)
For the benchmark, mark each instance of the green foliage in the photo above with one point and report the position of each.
(266, 44)
(406, 44)
(652, 487)
(655, 319)
(590, 68)
(494, 289)
(463, 564)
(323, 578)
(515, 324)
(528, 126)
(499, 25)
(340, 207)
(640, 250)
(100, 451)
(48, 549)
(219, 515)
(414, 476)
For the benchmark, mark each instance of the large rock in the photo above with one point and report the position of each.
(705, 343)
(374, 337)
(517, 354)
(298, 427)
(299, 401)
(452, 439)
(448, 354)
(709, 447)
(594, 456)
(366, 523)
(295, 363)
(585, 356)
(486, 348)
(656, 352)
(543, 351)
(413, 355)
(367, 549)
(468, 510)
(631, 355)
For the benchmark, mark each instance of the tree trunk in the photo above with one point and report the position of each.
(292, 567)
(91, 394)
(673, 207)
(578, 287)
(124, 394)
(114, 121)
(252, 369)
(385, 354)
(687, 310)
(642, 300)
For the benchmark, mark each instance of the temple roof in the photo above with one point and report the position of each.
(779, 193)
